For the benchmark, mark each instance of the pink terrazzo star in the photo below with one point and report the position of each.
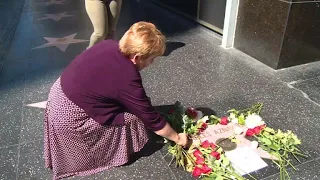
(61, 43)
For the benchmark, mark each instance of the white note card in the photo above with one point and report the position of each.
(245, 160)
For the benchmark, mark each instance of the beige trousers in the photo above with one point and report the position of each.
(104, 15)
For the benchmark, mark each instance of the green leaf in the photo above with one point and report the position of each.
(207, 151)
(225, 162)
(219, 150)
(213, 119)
(219, 178)
(266, 141)
(182, 161)
(266, 148)
(217, 162)
(207, 178)
(241, 119)
(275, 147)
(270, 130)
(233, 111)
(267, 134)
(296, 140)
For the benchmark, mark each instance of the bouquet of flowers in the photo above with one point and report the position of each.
(208, 160)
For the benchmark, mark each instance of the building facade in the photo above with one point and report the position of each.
(278, 33)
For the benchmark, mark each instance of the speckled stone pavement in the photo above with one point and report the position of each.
(195, 70)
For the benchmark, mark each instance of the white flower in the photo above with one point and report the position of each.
(234, 120)
(204, 119)
(238, 130)
(253, 121)
(232, 116)
(184, 119)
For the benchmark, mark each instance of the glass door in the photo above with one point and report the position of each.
(209, 13)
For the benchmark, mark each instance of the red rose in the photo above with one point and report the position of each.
(250, 132)
(171, 111)
(257, 130)
(262, 126)
(200, 161)
(197, 153)
(215, 154)
(205, 169)
(196, 172)
(205, 144)
(204, 126)
(192, 113)
(224, 121)
(213, 146)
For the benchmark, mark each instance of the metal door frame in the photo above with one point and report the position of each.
(229, 26)
(230, 21)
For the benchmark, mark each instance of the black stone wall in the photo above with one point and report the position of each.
(279, 33)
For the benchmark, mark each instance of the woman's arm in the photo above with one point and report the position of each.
(134, 98)
(169, 133)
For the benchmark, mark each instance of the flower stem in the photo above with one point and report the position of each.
(165, 155)
(300, 154)
(296, 157)
(291, 164)
(171, 160)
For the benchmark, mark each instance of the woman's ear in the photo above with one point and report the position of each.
(135, 59)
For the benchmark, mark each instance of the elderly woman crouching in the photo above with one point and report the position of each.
(98, 112)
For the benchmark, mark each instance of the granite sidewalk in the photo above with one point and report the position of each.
(195, 70)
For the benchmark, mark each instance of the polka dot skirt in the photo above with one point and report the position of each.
(74, 144)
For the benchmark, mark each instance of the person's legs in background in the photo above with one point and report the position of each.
(98, 15)
(114, 13)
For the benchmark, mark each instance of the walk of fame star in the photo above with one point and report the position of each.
(216, 132)
(55, 17)
(41, 105)
(61, 43)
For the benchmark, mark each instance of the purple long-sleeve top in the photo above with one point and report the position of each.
(106, 84)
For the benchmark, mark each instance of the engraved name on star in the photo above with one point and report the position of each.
(55, 17)
(61, 43)
(215, 132)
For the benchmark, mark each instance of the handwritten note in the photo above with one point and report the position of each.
(245, 160)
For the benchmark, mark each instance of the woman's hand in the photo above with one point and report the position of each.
(182, 140)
